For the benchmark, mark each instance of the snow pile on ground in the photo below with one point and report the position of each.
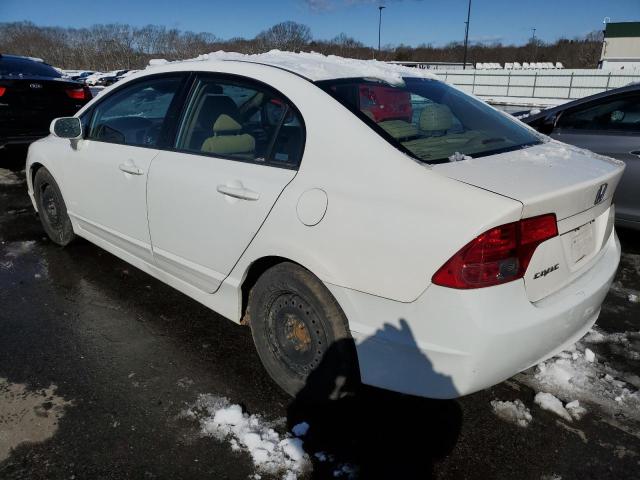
(271, 453)
(576, 410)
(7, 177)
(576, 374)
(317, 66)
(626, 343)
(514, 412)
(589, 356)
(546, 401)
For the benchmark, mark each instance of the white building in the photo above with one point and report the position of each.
(621, 46)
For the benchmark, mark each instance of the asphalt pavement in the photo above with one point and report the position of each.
(98, 362)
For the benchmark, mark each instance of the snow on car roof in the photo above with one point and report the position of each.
(316, 66)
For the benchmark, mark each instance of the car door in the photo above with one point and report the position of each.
(610, 127)
(239, 144)
(108, 169)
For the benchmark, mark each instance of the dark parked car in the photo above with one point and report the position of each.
(80, 77)
(32, 94)
(607, 123)
(111, 79)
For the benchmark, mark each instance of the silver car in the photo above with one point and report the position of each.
(607, 123)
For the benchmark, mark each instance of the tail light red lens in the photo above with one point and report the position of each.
(499, 255)
(81, 93)
(2, 90)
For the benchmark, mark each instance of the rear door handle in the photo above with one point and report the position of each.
(130, 167)
(238, 192)
(635, 152)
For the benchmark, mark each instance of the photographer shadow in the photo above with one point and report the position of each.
(381, 433)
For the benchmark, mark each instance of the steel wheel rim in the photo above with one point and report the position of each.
(295, 334)
(51, 207)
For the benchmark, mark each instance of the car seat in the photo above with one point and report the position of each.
(435, 120)
(228, 139)
(209, 111)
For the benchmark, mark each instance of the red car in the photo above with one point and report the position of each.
(385, 103)
(378, 102)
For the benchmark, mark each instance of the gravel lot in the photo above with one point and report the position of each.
(99, 363)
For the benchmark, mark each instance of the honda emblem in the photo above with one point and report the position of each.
(601, 193)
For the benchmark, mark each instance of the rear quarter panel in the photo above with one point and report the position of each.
(390, 223)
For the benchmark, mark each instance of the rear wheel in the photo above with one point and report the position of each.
(301, 334)
(52, 209)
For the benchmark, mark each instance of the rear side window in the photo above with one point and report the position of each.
(135, 114)
(619, 114)
(430, 120)
(241, 121)
(23, 66)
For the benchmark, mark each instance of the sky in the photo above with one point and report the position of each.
(403, 21)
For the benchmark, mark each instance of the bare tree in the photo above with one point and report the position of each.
(289, 35)
(116, 46)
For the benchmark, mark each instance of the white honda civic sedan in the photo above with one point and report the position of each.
(367, 221)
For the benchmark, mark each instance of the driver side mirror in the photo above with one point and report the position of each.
(66, 127)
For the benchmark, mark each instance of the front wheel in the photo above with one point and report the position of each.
(301, 334)
(52, 209)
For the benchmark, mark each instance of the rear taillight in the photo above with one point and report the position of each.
(2, 90)
(499, 255)
(81, 93)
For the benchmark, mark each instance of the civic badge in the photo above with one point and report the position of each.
(601, 193)
(35, 85)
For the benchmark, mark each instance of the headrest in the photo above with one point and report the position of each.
(225, 123)
(435, 116)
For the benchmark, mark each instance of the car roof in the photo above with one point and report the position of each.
(633, 87)
(315, 66)
(21, 57)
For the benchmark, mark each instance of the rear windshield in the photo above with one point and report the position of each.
(430, 120)
(23, 66)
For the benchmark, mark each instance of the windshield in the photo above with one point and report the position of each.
(430, 120)
(23, 66)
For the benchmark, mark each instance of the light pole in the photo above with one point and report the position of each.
(533, 41)
(466, 37)
(380, 8)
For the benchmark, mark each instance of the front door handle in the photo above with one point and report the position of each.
(635, 152)
(238, 192)
(130, 167)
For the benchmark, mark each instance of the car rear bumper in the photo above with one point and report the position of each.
(450, 343)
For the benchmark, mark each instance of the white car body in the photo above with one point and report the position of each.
(371, 223)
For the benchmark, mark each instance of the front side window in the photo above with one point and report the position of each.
(241, 121)
(619, 114)
(430, 120)
(134, 115)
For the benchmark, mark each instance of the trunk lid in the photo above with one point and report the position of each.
(29, 103)
(547, 178)
(574, 184)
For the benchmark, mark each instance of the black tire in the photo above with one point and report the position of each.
(52, 209)
(301, 334)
